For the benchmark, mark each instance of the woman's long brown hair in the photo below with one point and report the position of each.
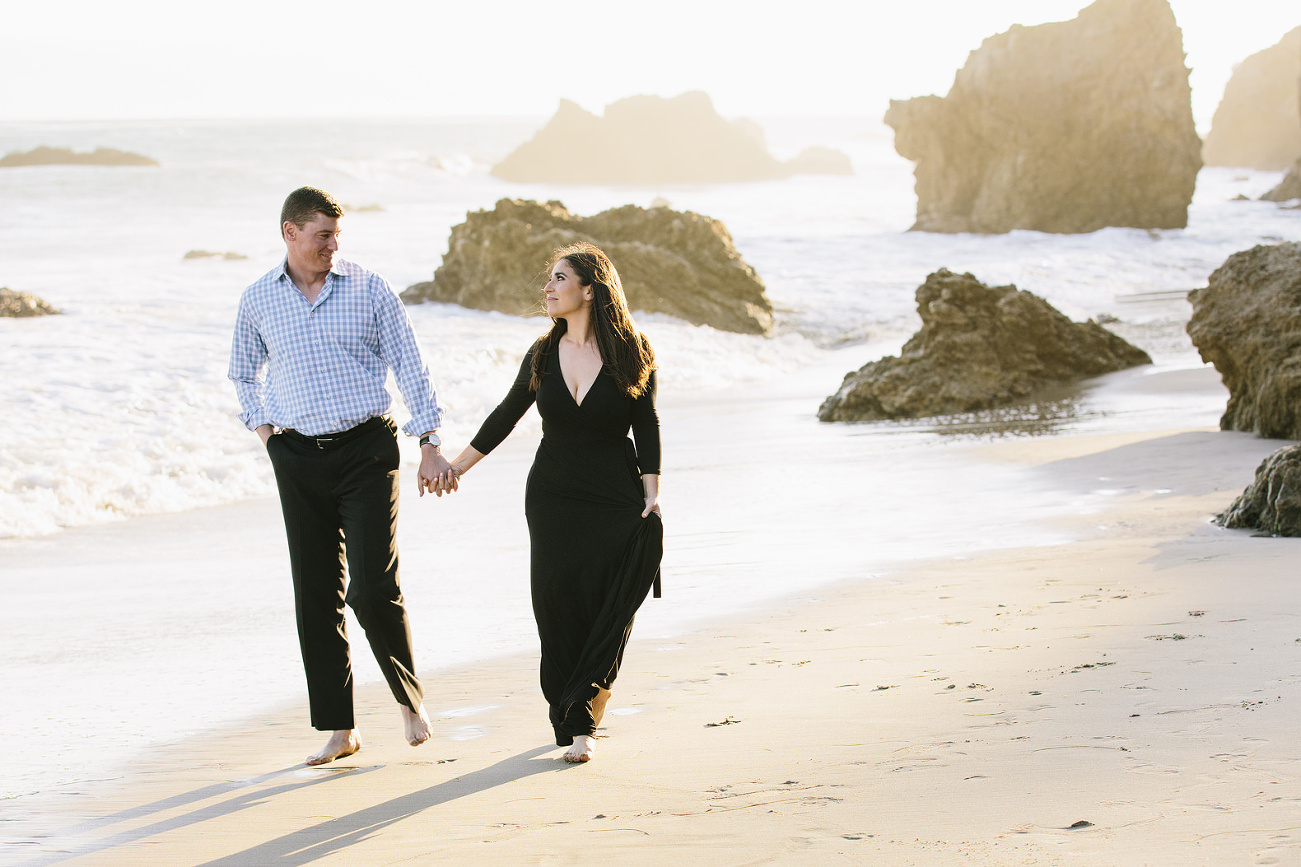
(625, 352)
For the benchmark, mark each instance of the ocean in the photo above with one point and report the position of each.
(119, 410)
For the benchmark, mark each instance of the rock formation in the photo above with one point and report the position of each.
(1247, 322)
(1272, 502)
(47, 156)
(673, 262)
(208, 254)
(15, 304)
(1289, 189)
(979, 347)
(1063, 127)
(641, 140)
(821, 161)
(1257, 124)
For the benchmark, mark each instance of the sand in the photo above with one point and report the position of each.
(1125, 696)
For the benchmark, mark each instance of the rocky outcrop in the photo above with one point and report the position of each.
(1272, 502)
(1257, 124)
(673, 262)
(641, 140)
(47, 156)
(821, 161)
(229, 255)
(1289, 189)
(1063, 127)
(1247, 322)
(979, 347)
(15, 304)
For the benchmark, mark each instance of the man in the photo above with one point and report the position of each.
(314, 339)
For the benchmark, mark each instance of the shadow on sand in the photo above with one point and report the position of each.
(301, 846)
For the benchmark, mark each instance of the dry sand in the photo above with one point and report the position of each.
(1126, 698)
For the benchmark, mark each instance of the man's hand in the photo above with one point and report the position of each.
(435, 474)
(264, 431)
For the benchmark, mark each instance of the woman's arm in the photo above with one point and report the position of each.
(468, 457)
(651, 483)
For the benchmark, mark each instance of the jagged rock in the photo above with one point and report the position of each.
(673, 262)
(642, 140)
(821, 161)
(1062, 127)
(16, 304)
(47, 156)
(1247, 322)
(1258, 121)
(1289, 189)
(1272, 502)
(979, 347)
(208, 254)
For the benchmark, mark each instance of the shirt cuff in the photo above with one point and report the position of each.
(253, 422)
(423, 423)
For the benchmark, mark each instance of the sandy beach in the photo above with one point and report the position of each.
(1126, 694)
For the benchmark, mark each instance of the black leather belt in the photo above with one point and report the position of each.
(330, 440)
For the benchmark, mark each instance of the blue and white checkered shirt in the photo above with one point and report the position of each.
(320, 368)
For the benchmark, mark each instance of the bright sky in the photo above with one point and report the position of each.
(91, 59)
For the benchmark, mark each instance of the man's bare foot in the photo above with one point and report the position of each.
(416, 724)
(343, 742)
(598, 704)
(583, 750)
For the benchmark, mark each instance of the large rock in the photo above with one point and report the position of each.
(1063, 127)
(1289, 188)
(1247, 322)
(1258, 121)
(47, 156)
(14, 304)
(979, 347)
(673, 262)
(648, 140)
(1272, 502)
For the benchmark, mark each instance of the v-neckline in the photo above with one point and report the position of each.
(578, 401)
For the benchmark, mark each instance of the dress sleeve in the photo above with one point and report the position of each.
(502, 420)
(646, 430)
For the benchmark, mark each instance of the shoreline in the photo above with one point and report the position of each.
(974, 709)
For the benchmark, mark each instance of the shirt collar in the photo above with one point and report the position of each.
(336, 270)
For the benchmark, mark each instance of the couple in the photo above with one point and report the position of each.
(314, 340)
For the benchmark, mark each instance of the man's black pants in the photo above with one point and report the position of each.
(340, 501)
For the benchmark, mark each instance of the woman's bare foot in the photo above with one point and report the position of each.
(598, 704)
(416, 725)
(343, 742)
(583, 750)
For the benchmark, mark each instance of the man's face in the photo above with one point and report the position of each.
(312, 248)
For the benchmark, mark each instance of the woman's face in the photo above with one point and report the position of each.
(563, 292)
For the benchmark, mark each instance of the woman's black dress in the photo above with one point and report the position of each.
(593, 556)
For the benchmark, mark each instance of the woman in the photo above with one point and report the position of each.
(592, 499)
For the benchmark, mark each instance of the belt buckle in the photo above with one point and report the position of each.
(320, 442)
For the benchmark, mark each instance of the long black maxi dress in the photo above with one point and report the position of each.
(593, 557)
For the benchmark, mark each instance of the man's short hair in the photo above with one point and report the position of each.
(304, 203)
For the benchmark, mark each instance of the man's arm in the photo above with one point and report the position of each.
(400, 349)
(248, 360)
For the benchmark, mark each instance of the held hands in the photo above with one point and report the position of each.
(436, 475)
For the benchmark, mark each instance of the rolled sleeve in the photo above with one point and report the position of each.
(400, 349)
(248, 361)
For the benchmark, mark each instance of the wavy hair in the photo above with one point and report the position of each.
(625, 351)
